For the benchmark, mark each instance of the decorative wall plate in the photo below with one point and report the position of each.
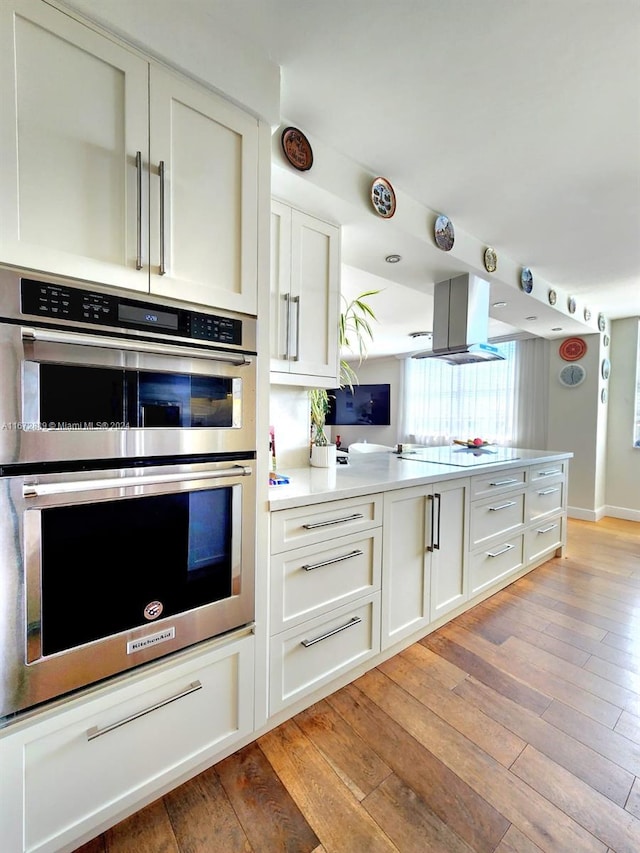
(605, 340)
(605, 368)
(297, 149)
(602, 322)
(571, 305)
(572, 375)
(587, 314)
(572, 349)
(553, 297)
(383, 198)
(490, 259)
(444, 233)
(526, 280)
(603, 395)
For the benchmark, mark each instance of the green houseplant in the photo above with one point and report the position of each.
(354, 333)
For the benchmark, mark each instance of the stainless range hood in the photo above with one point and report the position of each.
(461, 321)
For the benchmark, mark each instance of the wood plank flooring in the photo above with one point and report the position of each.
(515, 728)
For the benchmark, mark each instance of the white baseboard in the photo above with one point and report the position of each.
(601, 512)
(623, 512)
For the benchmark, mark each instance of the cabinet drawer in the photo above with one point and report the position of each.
(310, 581)
(111, 752)
(497, 515)
(544, 538)
(489, 566)
(545, 499)
(308, 656)
(484, 485)
(552, 470)
(293, 528)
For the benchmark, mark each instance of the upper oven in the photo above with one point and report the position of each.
(92, 374)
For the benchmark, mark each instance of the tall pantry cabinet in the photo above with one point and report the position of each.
(118, 171)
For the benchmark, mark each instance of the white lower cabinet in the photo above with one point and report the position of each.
(490, 565)
(82, 765)
(544, 537)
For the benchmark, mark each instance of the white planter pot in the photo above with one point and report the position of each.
(323, 457)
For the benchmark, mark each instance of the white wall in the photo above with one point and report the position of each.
(289, 416)
(623, 460)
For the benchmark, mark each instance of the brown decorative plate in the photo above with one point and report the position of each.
(490, 259)
(297, 149)
(383, 198)
(572, 349)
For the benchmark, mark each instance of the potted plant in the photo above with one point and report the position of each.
(353, 330)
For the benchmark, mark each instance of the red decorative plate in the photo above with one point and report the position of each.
(297, 149)
(572, 349)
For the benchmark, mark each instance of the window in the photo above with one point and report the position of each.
(444, 401)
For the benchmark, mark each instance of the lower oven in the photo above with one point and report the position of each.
(103, 570)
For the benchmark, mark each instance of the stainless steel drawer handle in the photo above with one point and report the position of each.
(296, 301)
(549, 473)
(502, 506)
(95, 732)
(52, 336)
(501, 551)
(138, 210)
(309, 567)
(547, 529)
(35, 490)
(353, 621)
(287, 342)
(548, 491)
(504, 482)
(163, 268)
(315, 524)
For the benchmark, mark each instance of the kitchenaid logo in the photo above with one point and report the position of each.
(150, 640)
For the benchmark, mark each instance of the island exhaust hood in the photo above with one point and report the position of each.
(461, 322)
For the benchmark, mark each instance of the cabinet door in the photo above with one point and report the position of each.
(280, 301)
(203, 165)
(449, 557)
(74, 113)
(405, 563)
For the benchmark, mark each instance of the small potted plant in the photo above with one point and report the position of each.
(323, 453)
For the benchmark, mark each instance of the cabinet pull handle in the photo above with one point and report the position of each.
(502, 506)
(296, 301)
(548, 491)
(432, 504)
(501, 551)
(313, 525)
(438, 497)
(504, 482)
(287, 333)
(138, 210)
(546, 529)
(95, 732)
(309, 567)
(163, 268)
(549, 473)
(353, 621)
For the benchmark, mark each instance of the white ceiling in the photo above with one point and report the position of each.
(518, 119)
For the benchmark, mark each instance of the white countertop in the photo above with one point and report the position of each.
(367, 473)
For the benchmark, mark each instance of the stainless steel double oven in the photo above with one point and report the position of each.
(127, 483)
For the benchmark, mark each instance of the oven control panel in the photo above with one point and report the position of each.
(59, 302)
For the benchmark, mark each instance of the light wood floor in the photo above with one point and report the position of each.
(516, 727)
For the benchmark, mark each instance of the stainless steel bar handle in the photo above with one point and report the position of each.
(549, 473)
(438, 497)
(313, 525)
(163, 268)
(546, 529)
(432, 504)
(287, 302)
(95, 732)
(309, 567)
(53, 336)
(138, 210)
(549, 491)
(501, 551)
(296, 301)
(501, 506)
(35, 490)
(504, 482)
(353, 621)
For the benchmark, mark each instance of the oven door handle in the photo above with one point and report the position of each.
(52, 336)
(35, 490)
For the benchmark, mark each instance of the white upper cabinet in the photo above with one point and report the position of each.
(305, 293)
(86, 124)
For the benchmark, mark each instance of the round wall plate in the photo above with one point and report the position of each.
(297, 149)
(490, 259)
(553, 297)
(571, 305)
(444, 233)
(604, 395)
(605, 368)
(605, 340)
(383, 198)
(602, 322)
(526, 280)
(587, 314)
(572, 375)
(572, 349)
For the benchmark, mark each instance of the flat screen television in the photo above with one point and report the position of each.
(366, 405)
